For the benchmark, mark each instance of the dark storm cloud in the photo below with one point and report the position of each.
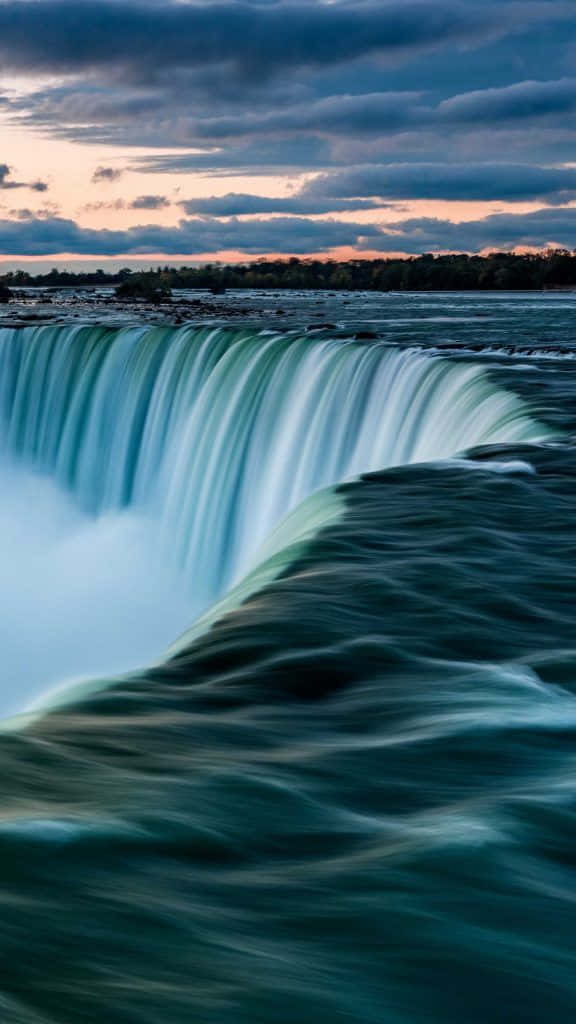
(483, 182)
(237, 204)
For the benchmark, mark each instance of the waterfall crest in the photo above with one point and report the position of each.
(220, 432)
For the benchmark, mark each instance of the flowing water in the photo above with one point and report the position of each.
(343, 788)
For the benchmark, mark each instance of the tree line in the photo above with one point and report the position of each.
(494, 272)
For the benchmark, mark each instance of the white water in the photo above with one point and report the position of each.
(78, 595)
(171, 456)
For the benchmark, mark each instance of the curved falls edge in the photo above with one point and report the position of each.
(350, 796)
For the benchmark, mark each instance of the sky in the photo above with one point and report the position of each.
(139, 130)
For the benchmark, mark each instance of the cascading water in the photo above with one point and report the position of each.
(201, 441)
(223, 432)
(346, 791)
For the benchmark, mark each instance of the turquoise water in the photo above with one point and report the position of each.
(346, 792)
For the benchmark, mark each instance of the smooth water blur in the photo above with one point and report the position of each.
(348, 793)
(219, 433)
(169, 455)
(352, 798)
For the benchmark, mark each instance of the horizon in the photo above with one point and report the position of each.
(37, 268)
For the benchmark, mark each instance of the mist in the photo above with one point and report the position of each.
(80, 596)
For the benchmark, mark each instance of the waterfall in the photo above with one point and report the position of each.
(218, 433)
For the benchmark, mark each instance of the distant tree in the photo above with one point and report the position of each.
(147, 289)
(429, 272)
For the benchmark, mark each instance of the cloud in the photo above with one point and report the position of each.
(528, 118)
(386, 101)
(23, 214)
(518, 102)
(6, 182)
(346, 115)
(194, 236)
(237, 81)
(107, 175)
(150, 203)
(541, 229)
(136, 40)
(140, 203)
(300, 235)
(257, 156)
(165, 118)
(375, 113)
(465, 182)
(112, 204)
(48, 211)
(238, 204)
